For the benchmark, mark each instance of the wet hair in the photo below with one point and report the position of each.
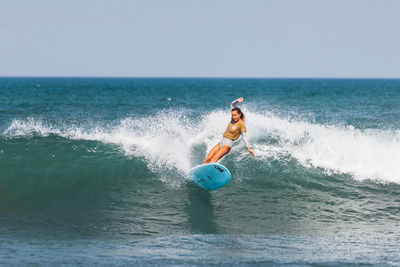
(239, 111)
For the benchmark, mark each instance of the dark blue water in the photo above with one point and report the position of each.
(93, 171)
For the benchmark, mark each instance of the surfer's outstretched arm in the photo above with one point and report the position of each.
(246, 143)
(245, 140)
(234, 102)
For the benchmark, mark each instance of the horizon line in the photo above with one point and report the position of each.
(200, 77)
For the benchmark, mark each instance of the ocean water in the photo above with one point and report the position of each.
(93, 171)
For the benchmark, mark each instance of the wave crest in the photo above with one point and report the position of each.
(179, 140)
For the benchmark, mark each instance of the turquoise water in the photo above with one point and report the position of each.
(93, 171)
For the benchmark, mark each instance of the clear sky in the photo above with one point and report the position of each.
(185, 38)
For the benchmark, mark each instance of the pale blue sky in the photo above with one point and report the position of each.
(184, 38)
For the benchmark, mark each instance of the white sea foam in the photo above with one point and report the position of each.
(168, 139)
(164, 140)
(364, 154)
(28, 127)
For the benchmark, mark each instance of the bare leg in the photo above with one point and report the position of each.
(211, 154)
(220, 153)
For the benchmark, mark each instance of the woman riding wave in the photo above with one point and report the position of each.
(235, 128)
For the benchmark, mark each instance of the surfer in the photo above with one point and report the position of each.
(235, 128)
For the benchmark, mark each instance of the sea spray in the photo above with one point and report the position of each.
(168, 140)
(363, 153)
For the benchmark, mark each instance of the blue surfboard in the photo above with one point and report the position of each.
(211, 176)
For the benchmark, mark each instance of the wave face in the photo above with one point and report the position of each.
(108, 157)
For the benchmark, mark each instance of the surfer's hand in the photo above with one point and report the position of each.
(250, 151)
(240, 99)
